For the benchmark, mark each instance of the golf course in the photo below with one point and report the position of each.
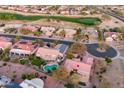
(88, 21)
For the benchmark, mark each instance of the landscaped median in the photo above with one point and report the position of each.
(88, 21)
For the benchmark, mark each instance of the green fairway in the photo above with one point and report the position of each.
(89, 21)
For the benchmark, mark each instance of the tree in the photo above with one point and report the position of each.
(78, 48)
(14, 76)
(24, 61)
(105, 83)
(75, 78)
(108, 60)
(25, 31)
(70, 55)
(23, 76)
(122, 32)
(38, 61)
(100, 35)
(28, 76)
(41, 42)
(100, 66)
(69, 85)
(100, 39)
(31, 57)
(37, 33)
(6, 51)
(16, 60)
(6, 58)
(62, 33)
(78, 37)
(61, 74)
(4, 64)
(56, 42)
(5, 55)
(16, 39)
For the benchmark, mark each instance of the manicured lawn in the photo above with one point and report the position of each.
(89, 21)
(38, 61)
(24, 61)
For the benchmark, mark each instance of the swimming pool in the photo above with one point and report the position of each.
(50, 67)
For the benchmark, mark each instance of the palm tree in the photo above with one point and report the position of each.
(78, 37)
(100, 39)
(100, 35)
(122, 32)
(78, 31)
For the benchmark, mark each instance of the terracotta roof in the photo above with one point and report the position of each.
(25, 45)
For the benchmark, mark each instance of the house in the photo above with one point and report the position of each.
(34, 83)
(13, 26)
(48, 54)
(7, 26)
(12, 85)
(4, 43)
(52, 54)
(4, 80)
(91, 32)
(109, 39)
(64, 12)
(111, 36)
(48, 31)
(69, 33)
(30, 27)
(23, 48)
(83, 68)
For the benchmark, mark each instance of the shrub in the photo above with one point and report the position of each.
(24, 61)
(30, 76)
(38, 61)
(108, 60)
(37, 33)
(6, 58)
(70, 56)
(4, 64)
(23, 76)
(14, 76)
(15, 60)
(36, 74)
(25, 31)
(82, 83)
(68, 85)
